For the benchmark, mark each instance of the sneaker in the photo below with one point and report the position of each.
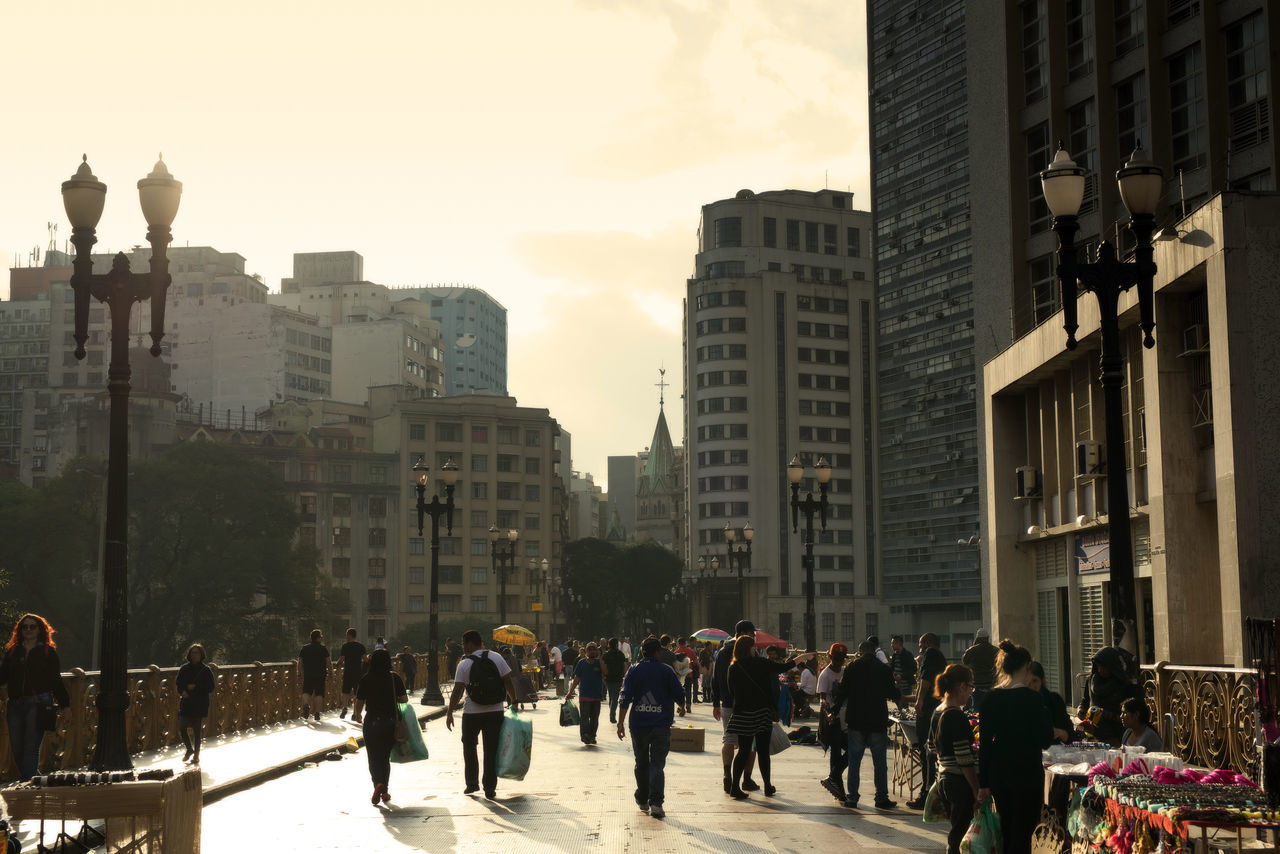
(769, 791)
(317, 716)
(656, 810)
(343, 715)
(490, 794)
(644, 808)
(737, 794)
(187, 756)
(915, 804)
(750, 786)
(306, 712)
(377, 793)
(470, 790)
(853, 804)
(885, 804)
(835, 787)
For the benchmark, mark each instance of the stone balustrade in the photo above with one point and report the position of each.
(1212, 714)
(247, 697)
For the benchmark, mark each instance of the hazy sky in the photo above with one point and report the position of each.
(553, 153)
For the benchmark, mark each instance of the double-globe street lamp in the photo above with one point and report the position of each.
(739, 557)
(83, 197)
(809, 506)
(431, 695)
(504, 558)
(1141, 184)
(541, 582)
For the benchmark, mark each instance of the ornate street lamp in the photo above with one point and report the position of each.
(1141, 183)
(796, 473)
(739, 556)
(83, 197)
(503, 557)
(431, 695)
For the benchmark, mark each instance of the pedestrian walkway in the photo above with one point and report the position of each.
(575, 798)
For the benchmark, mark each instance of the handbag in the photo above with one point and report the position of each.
(778, 739)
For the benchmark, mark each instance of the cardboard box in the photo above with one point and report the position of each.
(688, 739)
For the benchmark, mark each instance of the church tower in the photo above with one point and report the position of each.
(660, 485)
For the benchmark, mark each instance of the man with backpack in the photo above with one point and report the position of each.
(486, 679)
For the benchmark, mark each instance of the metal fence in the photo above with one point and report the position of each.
(1207, 716)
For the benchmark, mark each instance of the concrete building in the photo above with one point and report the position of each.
(1190, 82)
(921, 112)
(619, 524)
(586, 506)
(473, 326)
(24, 368)
(779, 320)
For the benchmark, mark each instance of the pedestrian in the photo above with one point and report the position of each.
(753, 682)
(380, 642)
(807, 690)
(195, 684)
(378, 696)
(865, 686)
(625, 647)
(903, 665)
(981, 659)
(453, 652)
(828, 682)
(615, 670)
(353, 658)
(486, 679)
(589, 672)
(570, 657)
(1014, 729)
(932, 663)
(690, 678)
(1105, 691)
(1136, 718)
(722, 709)
(32, 676)
(875, 643)
(667, 654)
(544, 663)
(951, 739)
(556, 657)
(409, 667)
(705, 657)
(1062, 725)
(315, 667)
(655, 693)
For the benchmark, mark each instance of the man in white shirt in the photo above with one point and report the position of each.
(625, 647)
(482, 714)
(828, 679)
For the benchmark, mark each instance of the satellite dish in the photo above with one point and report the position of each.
(467, 339)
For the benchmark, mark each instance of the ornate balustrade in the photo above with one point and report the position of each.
(246, 698)
(1214, 716)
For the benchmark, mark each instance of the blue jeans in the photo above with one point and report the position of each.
(614, 690)
(650, 747)
(25, 735)
(878, 743)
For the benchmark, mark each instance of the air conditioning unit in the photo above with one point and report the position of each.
(1028, 483)
(1195, 338)
(1089, 460)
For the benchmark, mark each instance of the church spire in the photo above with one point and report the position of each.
(662, 386)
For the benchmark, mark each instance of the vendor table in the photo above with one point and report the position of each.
(908, 773)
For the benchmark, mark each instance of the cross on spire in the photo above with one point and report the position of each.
(662, 386)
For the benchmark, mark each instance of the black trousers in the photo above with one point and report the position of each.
(958, 796)
(475, 726)
(192, 741)
(1019, 808)
(379, 738)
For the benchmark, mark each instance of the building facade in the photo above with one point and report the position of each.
(778, 333)
(473, 326)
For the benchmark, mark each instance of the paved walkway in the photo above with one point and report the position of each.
(575, 798)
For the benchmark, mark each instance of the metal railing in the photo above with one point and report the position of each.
(246, 698)
(1207, 716)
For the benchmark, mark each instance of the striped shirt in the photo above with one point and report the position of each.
(951, 739)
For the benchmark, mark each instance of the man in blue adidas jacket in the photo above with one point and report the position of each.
(651, 691)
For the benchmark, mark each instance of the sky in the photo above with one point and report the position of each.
(556, 154)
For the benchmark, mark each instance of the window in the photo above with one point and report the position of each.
(417, 603)
(829, 231)
(1246, 45)
(378, 598)
(770, 232)
(846, 626)
(1129, 17)
(377, 567)
(417, 545)
(828, 628)
(341, 536)
(479, 574)
(479, 489)
(417, 432)
(532, 492)
(479, 547)
(479, 604)
(1038, 157)
(532, 548)
(417, 575)
(728, 231)
(378, 537)
(1035, 74)
(508, 462)
(340, 567)
(479, 462)
(811, 237)
(1131, 114)
(450, 575)
(450, 545)
(450, 604)
(480, 434)
(377, 507)
(377, 627)
(1187, 109)
(341, 473)
(310, 472)
(793, 234)
(1082, 143)
(508, 435)
(1079, 38)
(532, 521)
(532, 465)
(533, 438)
(448, 432)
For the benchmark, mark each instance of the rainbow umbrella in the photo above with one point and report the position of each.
(713, 635)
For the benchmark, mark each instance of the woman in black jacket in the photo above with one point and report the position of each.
(378, 694)
(753, 684)
(32, 675)
(195, 684)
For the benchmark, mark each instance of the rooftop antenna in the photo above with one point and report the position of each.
(662, 386)
(53, 236)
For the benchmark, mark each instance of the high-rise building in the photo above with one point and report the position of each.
(779, 320)
(920, 112)
(473, 326)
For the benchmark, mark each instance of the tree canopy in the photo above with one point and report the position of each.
(623, 588)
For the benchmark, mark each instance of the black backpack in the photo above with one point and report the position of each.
(485, 686)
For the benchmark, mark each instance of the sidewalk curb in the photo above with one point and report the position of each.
(231, 787)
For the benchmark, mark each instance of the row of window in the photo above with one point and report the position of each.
(719, 298)
(822, 356)
(709, 379)
(823, 407)
(722, 404)
(449, 431)
(719, 458)
(506, 463)
(808, 303)
(722, 431)
(301, 338)
(722, 483)
(823, 381)
(714, 352)
(721, 324)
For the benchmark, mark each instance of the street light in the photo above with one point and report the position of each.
(740, 556)
(83, 197)
(795, 473)
(431, 695)
(1141, 182)
(503, 558)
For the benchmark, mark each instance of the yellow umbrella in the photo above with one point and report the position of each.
(514, 635)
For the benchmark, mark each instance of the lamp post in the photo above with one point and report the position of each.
(739, 556)
(809, 506)
(707, 581)
(1141, 183)
(431, 695)
(83, 197)
(503, 557)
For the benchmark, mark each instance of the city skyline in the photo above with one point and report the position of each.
(552, 158)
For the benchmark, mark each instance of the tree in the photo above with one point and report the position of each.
(621, 587)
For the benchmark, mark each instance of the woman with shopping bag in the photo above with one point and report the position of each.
(379, 693)
(954, 793)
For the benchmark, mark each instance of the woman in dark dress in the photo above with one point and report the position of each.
(1062, 725)
(195, 685)
(32, 675)
(753, 684)
(379, 693)
(1014, 729)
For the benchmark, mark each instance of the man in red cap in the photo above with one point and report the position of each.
(828, 679)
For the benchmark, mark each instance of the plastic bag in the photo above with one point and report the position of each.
(983, 836)
(413, 748)
(935, 807)
(515, 747)
(569, 715)
(779, 740)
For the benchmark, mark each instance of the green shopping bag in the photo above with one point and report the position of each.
(413, 748)
(569, 715)
(515, 747)
(983, 835)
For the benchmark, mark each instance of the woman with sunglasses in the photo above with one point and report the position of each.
(32, 675)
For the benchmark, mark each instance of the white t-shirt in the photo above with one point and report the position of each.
(828, 678)
(554, 654)
(884, 659)
(463, 676)
(625, 649)
(808, 682)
